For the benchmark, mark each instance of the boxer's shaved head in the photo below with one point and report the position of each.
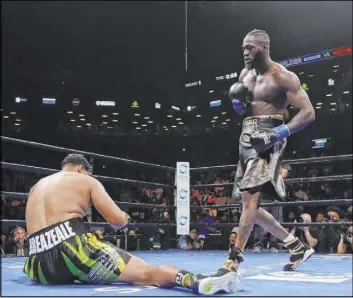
(77, 160)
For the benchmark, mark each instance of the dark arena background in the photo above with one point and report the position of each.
(137, 86)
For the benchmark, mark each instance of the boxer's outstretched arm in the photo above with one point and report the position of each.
(105, 205)
(298, 98)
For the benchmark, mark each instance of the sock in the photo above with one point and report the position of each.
(182, 277)
(290, 238)
(293, 245)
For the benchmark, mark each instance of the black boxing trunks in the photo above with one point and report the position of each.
(67, 252)
(255, 170)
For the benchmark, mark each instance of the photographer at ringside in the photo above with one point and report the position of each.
(346, 242)
(307, 235)
(193, 241)
(333, 233)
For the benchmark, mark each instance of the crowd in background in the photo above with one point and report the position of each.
(205, 198)
(222, 150)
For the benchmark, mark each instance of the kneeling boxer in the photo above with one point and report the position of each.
(264, 90)
(63, 250)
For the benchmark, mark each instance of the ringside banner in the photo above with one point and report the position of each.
(328, 54)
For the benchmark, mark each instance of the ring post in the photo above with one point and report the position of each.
(182, 198)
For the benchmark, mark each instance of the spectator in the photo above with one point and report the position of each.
(326, 192)
(20, 245)
(320, 216)
(300, 194)
(189, 242)
(14, 208)
(200, 242)
(4, 208)
(347, 195)
(235, 214)
(232, 238)
(333, 213)
(291, 216)
(349, 213)
(131, 232)
(194, 212)
(322, 245)
(3, 248)
(132, 240)
(305, 234)
(208, 219)
(333, 233)
(286, 170)
(346, 242)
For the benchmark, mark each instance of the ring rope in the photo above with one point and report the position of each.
(315, 203)
(195, 224)
(33, 169)
(142, 224)
(20, 195)
(320, 159)
(24, 196)
(284, 224)
(62, 149)
(288, 181)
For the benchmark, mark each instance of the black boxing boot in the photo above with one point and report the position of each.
(299, 251)
(235, 257)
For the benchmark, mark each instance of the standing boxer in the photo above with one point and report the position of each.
(264, 91)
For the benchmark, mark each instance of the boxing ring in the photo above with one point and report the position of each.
(322, 275)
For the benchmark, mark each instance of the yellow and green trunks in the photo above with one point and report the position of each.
(82, 257)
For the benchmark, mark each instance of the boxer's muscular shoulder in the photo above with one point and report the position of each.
(243, 74)
(89, 180)
(93, 183)
(285, 78)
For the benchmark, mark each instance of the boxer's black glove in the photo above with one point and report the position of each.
(267, 137)
(238, 95)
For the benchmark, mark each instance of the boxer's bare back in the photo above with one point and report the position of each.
(65, 195)
(56, 198)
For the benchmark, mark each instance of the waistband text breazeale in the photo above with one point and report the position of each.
(51, 238)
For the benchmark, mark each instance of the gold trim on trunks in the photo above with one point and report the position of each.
(278, 117)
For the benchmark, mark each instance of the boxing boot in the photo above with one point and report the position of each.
(231, 264)
(299, 251)
(229, 282)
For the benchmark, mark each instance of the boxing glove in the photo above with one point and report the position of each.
(238, 95)
(267, 137)
(122, 227)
